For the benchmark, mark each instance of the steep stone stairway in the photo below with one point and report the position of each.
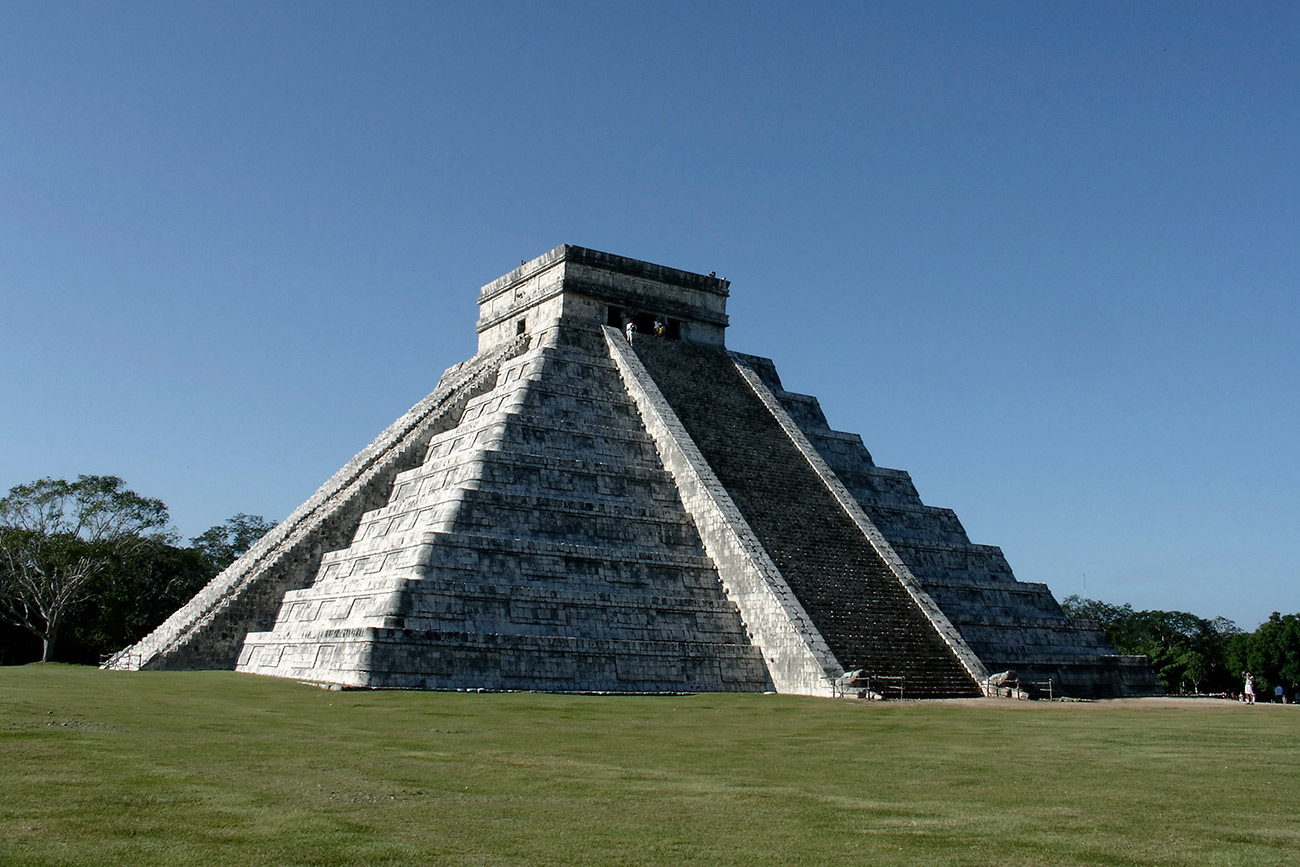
(208, 631)
(1009, 624)
(539, 545)
(865, 614)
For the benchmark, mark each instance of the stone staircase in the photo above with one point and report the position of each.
(861, 609)
(551, 518)
(208, 631)
(1010, 624)
(540, 545)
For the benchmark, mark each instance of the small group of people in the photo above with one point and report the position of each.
(630, 328)
(1279, 691)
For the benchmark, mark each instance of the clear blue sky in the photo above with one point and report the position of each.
(1041, 255)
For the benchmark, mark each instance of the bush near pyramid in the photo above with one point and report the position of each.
(573, 510)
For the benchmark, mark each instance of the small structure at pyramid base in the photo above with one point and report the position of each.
(604, 498)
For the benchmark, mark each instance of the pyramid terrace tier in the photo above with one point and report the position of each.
(570, 512)
(855, 601)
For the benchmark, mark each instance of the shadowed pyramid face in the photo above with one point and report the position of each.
(604, 498)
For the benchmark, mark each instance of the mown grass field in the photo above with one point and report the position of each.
(217, 768)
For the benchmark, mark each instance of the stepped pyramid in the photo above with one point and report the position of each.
(569, 510)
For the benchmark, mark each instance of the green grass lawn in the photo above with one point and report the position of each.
(218, 768)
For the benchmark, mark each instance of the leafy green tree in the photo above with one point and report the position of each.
(57, 536)
(1077, 607)
(1186, 651)
(227, 541)
(1274, 651)
(1238, 658)
(130, 597)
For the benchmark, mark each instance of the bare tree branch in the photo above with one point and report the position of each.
(55, 536)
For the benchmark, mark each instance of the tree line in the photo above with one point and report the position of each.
(1194, 655)
(88, 567)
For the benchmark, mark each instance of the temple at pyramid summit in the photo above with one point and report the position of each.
(606, 498)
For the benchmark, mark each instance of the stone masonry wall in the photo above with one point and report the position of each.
(209, 630)
(797, 656)
(1009, 624)
(859, 605)
(540, 545)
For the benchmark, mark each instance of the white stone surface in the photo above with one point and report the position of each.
(951, 636)
(797, 656)
(543, 521)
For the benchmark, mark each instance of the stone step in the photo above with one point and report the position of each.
(593, 394)
(939, 565)
(603, 479)
(854, 599)
(449, 659)
(625, 580)
(463, 438)
(498, 513)
(872, 486)
(920, 524)
(597, 506)
(592, 600)
(472, 560)
(563, 477)
(206, 632)
(462, 466)
(538, 434)
(668, 559)
(623, 568)
(515, 609)
(541, 434)
(618, 540)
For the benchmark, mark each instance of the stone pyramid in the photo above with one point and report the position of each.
(573, 511)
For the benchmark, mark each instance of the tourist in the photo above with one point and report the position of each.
(630, 328)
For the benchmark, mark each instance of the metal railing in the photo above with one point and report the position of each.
(123, 660)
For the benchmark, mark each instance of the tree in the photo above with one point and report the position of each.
(1185, 650)
(1273, 653)
(226, 542)
(57, 536)
(1238, 655)
(131, 596)
(1077, 607)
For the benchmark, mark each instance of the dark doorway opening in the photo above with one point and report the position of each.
(645, 322)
